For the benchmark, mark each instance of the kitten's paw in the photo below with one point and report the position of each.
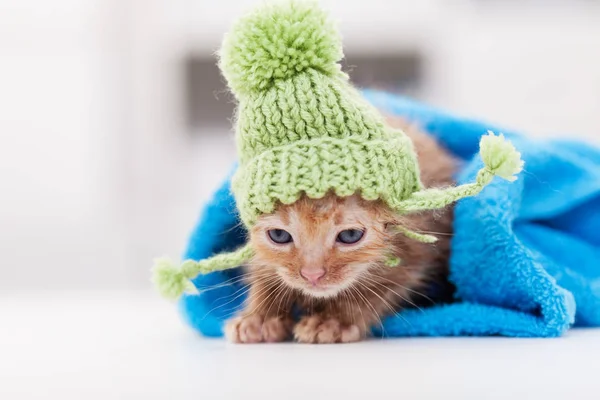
(256, 329)
(276, 329)
(315, 329)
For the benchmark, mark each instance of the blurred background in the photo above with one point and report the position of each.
(115, 123)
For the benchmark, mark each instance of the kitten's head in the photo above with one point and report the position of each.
(322, 247)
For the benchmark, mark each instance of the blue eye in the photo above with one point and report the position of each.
(350, 236)
(280, 236)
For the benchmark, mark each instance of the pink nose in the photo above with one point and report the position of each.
(312, 275)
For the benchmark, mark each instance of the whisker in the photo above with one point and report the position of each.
(283, 298)
(230, 312)
(346, 303)
(279, 290)
(259, 280)
(268, 282)
(376, 294)
(362, 316)
(234, 280)
(239, 224)
(271, 285)
(247, 289)
(393, 291)
(229, 282)
(273, 289)
(394, 311)
(366, 324)
(368, 303)
(410, 290)
(341, 297)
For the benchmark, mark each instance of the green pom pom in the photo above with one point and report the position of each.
(500, 156)
(169, 279)
(279, 41)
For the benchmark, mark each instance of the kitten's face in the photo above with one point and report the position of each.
(322, 246)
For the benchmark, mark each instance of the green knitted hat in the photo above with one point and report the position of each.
(302, 128)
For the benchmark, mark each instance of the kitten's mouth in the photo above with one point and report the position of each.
(317, 289)
(321, 290)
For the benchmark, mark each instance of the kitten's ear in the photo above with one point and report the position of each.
(391, 227)
(392, 219)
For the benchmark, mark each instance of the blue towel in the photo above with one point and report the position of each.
(525, 255)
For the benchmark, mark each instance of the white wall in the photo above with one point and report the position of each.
(536, 69)
(65, 107)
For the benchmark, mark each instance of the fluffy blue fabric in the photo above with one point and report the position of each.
(524, 254)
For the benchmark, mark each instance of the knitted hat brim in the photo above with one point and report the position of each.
(375, 169)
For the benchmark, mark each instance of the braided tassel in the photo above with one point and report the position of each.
(172, 280)
(500, 158)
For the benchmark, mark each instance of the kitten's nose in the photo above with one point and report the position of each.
(312, 275)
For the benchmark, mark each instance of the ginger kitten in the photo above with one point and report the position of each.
(320, 275)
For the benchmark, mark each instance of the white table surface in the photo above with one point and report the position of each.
(119, 345)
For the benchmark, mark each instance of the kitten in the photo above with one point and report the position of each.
(324, 262)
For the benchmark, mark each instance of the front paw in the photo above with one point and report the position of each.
(316, 329)
(257, 329)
